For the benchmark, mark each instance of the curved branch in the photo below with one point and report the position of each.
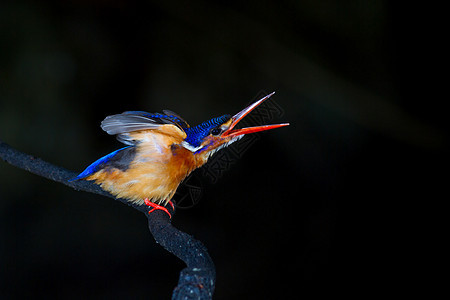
(197, 280)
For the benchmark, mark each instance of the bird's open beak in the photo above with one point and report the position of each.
(240, 115)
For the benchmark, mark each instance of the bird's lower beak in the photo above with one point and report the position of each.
(240, 115)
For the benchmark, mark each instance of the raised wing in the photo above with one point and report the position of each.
(130, 121)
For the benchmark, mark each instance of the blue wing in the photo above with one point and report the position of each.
(129, 121)
(119, 159)
(140, 120)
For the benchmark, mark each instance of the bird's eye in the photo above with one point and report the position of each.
(216, 131)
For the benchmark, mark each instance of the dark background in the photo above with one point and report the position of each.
(335, 204)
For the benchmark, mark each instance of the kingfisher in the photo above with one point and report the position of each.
(161, 151)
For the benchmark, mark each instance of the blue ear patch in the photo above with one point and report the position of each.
(195, 135)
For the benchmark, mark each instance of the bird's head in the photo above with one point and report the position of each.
(217, 133)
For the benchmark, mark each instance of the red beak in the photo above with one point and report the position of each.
(240, 115)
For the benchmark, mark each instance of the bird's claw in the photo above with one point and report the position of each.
(156, 206)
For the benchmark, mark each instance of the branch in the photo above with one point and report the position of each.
(197, 280)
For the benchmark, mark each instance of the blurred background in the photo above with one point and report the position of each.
(332, 204)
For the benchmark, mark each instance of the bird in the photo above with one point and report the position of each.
(161, 151)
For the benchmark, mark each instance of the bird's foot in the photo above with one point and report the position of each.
(171, 204)
(156, 206)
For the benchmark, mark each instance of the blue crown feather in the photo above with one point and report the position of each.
(195, 135)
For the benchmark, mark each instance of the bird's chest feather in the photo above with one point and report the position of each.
(155, 173)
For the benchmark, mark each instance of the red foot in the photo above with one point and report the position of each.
(171, 204)
(156, 206)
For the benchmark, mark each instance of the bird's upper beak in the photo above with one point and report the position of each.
(240, 115)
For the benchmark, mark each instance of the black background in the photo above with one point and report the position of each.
(338, 203)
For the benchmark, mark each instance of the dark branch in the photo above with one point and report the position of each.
(196, 281)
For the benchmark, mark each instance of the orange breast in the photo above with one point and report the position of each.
(153, 174)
